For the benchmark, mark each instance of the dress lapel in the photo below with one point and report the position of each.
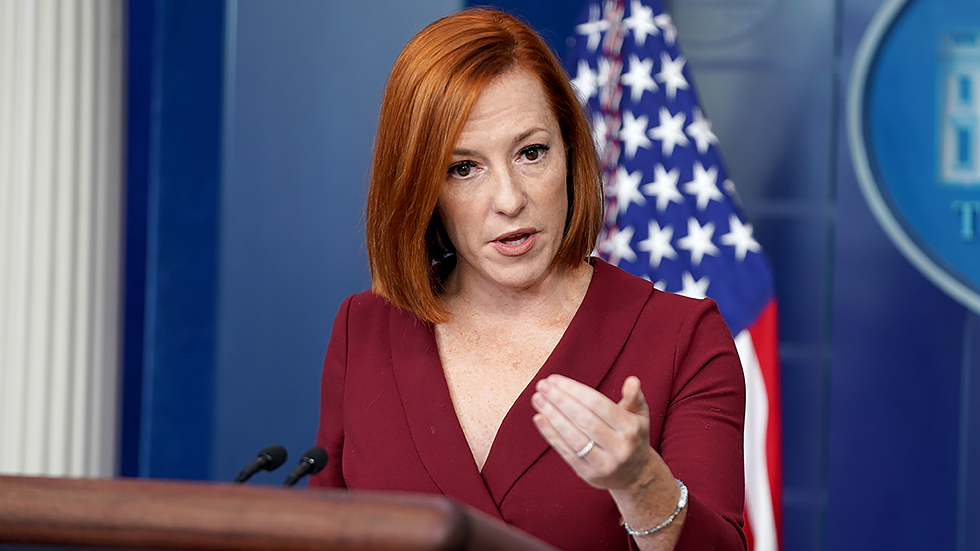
(586, 352)
(431, 417)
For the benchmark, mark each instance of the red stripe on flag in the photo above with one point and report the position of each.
(765, 340)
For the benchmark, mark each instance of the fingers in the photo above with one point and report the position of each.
(556, 440)
(562, 432)
(582, 406)
(571, 415)
(577, 413)
(586, 407)
(633, 399)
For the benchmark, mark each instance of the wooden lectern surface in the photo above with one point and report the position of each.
(159, 514)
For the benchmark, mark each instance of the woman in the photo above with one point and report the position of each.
(495, 362)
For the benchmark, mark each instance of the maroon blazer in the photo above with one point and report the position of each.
(388, 423)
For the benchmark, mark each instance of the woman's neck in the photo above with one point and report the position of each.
(562, 290)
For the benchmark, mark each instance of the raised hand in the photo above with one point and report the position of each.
(608, 446)
(606, 443)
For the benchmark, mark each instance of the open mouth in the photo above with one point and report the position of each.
(514, 239)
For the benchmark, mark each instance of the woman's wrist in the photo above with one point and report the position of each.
(652, 472)
(653, 498)
(681, 504)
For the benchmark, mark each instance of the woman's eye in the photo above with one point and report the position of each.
(461, 169)
(533, 152)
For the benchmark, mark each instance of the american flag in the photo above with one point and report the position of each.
(672, 214)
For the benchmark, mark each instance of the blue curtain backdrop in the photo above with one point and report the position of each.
(176, 60)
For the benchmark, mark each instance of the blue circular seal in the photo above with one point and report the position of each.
(913, 116)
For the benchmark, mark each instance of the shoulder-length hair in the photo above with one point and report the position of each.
(431, 90)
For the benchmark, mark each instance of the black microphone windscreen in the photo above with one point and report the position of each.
(275, 455)
(268, 459)
(318, 459)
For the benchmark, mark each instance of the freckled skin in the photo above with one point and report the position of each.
(509, 304)
(489, 358)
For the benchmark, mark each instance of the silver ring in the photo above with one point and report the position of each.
(585, 451)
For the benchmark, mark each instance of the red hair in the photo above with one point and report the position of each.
(431, 90)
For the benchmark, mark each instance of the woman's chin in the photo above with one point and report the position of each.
(521, 277)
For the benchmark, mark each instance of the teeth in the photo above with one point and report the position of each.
(515, 240)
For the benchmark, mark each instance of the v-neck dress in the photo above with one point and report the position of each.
(387, 420)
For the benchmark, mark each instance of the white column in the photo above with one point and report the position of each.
(61, 129)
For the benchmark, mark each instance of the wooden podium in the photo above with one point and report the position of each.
(158, 514)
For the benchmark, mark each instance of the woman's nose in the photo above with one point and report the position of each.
(509, 197)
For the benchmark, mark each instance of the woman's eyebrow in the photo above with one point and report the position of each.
(528, 133)
(517, 139)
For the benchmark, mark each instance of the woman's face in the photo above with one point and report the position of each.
(504, 201)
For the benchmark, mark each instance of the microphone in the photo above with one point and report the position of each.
(312, 462)
(269, 459)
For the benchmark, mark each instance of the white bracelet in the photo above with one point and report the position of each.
(681, 503)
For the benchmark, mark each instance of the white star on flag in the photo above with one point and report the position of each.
(619, 244)
(641, 22)
(667, 24)
(605, 74)
(634, 133)
(664, 187)
(704, 185)
(694, 288)
(698, 241)
(639, 77)
(628, 189)
(600, 132)
(593, 28)
(700, 131)
(586, 81)
(672, 74)
(658, 244)
(740, 236)
(670, 132)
